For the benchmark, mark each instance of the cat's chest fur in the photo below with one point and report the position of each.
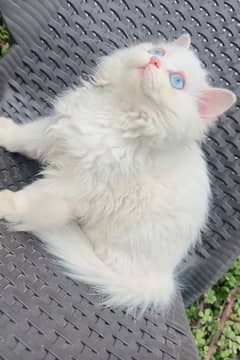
(115, 180)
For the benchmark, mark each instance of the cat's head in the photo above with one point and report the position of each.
(168, 85)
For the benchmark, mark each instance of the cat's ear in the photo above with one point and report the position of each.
(215, 101)
(184, 40)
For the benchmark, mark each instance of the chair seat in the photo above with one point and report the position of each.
(45, 315)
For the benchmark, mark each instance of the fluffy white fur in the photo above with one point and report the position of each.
(125, 190)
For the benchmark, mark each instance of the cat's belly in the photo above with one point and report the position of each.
(159, 215)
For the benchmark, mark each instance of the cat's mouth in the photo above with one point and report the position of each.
(153, 62)
(142, 69)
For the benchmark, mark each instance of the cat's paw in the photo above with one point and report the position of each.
(6, 127)
(104, 254)
(8, 209)
(101, 251)
(110, 256)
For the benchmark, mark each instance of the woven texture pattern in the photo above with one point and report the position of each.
(62, 39)
(45, 315)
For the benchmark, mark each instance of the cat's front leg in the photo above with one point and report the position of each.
(29, 139)
(7, 206)
(35, 208)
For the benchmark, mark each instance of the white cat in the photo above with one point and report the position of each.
(125, 191)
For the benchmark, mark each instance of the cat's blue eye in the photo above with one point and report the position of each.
(157, 52)
(177, 80)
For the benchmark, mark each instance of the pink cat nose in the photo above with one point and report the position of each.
(155, 61)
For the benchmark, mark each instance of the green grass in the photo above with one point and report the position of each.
(216, 315)
(4, 40)
(215, 318)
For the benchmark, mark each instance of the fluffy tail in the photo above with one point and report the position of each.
(137, 290)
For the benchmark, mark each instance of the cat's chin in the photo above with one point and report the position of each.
(148, 81)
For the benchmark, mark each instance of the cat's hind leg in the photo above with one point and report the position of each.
(28, 139)
(39, 206)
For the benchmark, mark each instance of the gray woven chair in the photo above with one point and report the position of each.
(43, 314)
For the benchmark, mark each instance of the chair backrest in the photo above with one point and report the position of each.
(44, 314)
(56, 41)
(59, 40)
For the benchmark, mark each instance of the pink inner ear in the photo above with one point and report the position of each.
(215, 101)
(184, 40)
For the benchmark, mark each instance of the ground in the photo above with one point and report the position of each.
(215, 318)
